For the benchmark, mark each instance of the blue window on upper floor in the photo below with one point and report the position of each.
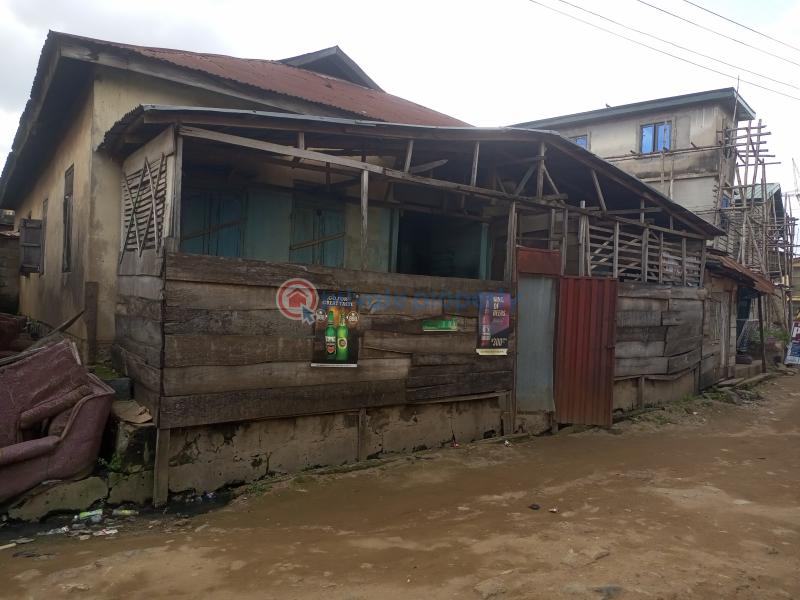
(581, 140)
(655, 137)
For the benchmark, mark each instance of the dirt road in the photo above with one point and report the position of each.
(677, 505)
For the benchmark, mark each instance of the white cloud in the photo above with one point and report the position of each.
(489, 63)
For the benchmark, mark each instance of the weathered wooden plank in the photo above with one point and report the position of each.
(489, 363)
(194, 350)
(679, 345)
(638, 349)
(412, 325)
(211, 379)
(681, 317)
(215, 269)
(683, 361)
(686, 305)
(636, 318)
(138, 329)
(464, 385)
(161, 466)
(150, 355)
(191, 294)
(641, 304)
(366, 352)
(663, 292)
(443, 376)
(149, 263)
(641, 334)
(137, 369)
(392, 304)
(181, 320)
(640, 366)
(205, 409)
(465, 305)
(143, 286)
(677, 332)
(450, 343)
(135, 306)
(640, 290)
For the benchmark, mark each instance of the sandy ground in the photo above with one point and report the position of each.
(674, 505)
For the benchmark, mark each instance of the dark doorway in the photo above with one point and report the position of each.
(441, 246)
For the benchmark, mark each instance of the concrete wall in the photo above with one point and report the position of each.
(9, 273)
(55, 296)
(689, 178)
(115, 94)
(209, 457)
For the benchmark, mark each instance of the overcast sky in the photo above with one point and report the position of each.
(488, 63)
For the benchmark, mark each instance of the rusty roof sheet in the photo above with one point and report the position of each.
(277, 77)
(734, 268)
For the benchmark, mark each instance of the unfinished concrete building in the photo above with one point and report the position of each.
(709, 154)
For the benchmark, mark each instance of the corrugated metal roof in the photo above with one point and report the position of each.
(727, 95)
(442, 133)
(754, 193)
(737, 270)
(274, 76)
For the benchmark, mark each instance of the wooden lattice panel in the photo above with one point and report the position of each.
(144, 194)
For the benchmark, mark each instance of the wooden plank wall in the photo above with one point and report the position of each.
(138, 320)
(659, 330)
(139, 313)
(230, 355)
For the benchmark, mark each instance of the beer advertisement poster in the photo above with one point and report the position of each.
(793, 354)
(336, 330)
(494, 323)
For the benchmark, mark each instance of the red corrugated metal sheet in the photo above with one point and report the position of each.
(538, 262)
(584, 381)
(277, 77)
(759, 282)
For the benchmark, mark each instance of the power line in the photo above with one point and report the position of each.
(686, 60)
(769, 37)
(655, 37)
(727, 37)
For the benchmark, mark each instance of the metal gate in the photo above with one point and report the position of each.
(536, 311)
(584, 379)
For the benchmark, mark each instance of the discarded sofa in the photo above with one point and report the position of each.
(52, 416)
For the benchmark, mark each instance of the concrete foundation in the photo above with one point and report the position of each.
(209, 457)
(653, 391)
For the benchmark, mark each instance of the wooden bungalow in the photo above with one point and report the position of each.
(415, 225)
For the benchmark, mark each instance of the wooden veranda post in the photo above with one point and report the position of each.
(364, 217)
(761, 335)
(511, 242)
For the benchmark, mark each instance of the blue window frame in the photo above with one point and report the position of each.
(581, 140)
(655, 137)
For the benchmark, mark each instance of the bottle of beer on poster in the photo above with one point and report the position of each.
(330, 338)
(486, 325)
(342, 351)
